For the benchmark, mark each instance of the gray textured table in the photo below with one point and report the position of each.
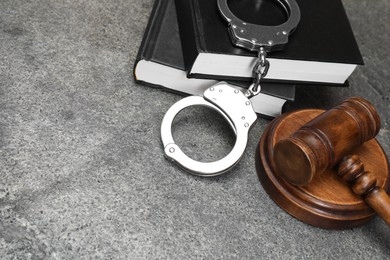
(82, 171)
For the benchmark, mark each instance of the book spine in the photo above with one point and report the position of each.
(188, 34)
(152, 30)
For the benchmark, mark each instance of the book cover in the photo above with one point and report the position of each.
(322, 49)
(160, 63)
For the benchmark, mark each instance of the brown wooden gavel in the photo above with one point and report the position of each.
(325, 142)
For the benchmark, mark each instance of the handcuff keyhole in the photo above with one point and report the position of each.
(260, 12)
(203, 134)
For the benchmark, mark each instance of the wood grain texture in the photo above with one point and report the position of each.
(324, 141)
(364, 184)
(328, 201)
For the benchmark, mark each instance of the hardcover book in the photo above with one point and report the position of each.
(160, 63)
(322, 49)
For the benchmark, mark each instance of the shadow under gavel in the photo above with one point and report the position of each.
(328, 141)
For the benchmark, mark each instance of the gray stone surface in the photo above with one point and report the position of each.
(82, 171)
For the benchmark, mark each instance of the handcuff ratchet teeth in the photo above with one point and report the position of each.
(228, 101)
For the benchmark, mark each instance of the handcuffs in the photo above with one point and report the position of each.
(228, 101)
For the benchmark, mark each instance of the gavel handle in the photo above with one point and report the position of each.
(379, 201)
(364, 183)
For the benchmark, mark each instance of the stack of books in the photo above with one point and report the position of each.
(186, 48)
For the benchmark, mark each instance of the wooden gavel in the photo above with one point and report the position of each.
(326, 142)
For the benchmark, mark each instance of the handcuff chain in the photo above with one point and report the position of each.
(259, 71)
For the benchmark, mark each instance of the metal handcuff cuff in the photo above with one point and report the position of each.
(228, 101)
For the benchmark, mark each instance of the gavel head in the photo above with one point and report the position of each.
(325, 140)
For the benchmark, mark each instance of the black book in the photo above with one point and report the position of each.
(160, 63)
(322, 49)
